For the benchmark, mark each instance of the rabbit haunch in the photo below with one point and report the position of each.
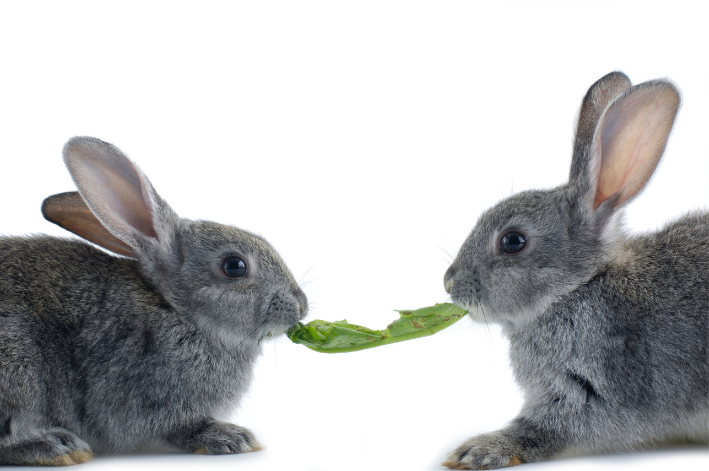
(609, 333)
(120, 353)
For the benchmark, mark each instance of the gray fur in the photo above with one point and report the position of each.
(609, 334)
(114, 354)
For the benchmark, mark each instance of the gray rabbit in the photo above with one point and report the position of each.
(608, 333)
(118, 353)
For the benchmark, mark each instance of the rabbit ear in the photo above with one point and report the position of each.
(630, 139)
(115, 190)
(599, 96)
(69, 211)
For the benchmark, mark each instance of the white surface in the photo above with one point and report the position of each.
(362, 139)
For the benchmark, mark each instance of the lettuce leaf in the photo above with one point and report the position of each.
(342, 337)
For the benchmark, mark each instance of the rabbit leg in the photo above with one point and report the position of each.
(52, 447)
(24, 436)
(520, 442)
(212, 437)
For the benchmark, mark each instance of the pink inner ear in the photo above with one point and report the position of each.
(124, 195)
(633, 134)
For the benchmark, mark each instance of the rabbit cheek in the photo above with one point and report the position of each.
(229, 312)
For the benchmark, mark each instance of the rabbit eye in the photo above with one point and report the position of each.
(234, 267)
(512, 242)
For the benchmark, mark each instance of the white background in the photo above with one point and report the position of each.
(362, 139)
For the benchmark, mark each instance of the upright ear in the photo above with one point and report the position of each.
(115, 190)
(630, 139)
(69, 211)
(599, 96)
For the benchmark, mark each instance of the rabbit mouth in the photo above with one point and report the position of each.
(475, 309)
(283, 312)
(464, 286)
(466, 297)
(274, 328)
(479, 313)
(279, 318)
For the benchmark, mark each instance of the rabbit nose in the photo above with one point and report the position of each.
(448, 278)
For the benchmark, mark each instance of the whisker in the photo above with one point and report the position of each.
(305, 274)
(512, 182)
(449, 256)
(303, 285)
(252, 332)
(487, 326)
(451, 307)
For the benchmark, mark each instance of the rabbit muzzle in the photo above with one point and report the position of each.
(284, 310)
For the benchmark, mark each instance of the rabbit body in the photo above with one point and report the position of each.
(604, 381)
(118, 354)
(609, 334)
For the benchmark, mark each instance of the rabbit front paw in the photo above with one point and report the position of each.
(486, 451)
(53, 447)
(222, 438)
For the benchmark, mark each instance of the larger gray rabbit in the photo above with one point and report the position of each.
(608, 333)
(117, 353)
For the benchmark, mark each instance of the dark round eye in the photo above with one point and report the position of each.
(512, 242)
(234, 267)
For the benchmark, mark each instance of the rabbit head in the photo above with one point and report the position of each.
(536, 246)
(232, 282)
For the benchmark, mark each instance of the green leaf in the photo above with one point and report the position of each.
(342, 337)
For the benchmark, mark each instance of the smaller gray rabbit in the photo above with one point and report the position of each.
(608, 333)
(118, 353)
